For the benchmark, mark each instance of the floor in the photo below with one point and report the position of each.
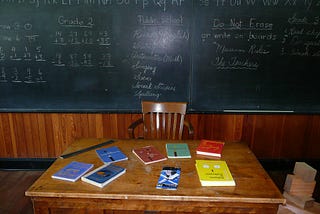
(12, 188)
(15, 183)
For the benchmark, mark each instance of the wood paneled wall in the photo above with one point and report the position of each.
(46, 135)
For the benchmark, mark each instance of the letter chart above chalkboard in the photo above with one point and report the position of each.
(108, 55)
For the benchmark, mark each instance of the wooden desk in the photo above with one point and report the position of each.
(254, 192)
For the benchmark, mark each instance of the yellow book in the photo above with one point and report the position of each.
(214, 173)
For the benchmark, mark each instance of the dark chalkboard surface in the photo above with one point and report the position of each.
(92, 55)
(108, 55)
(256, 56)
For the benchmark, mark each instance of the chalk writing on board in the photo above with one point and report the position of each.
(79, 22)
(110, 54)
(307, 4)
(76, 32)
(153, 40)
(21, 54)
(163, 5)
(301, 36)
(252, 33)
(252, 55)
(28, 76)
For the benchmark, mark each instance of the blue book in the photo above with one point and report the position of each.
(111, 154)
(73, 171)
(169, 178)
(103, 175)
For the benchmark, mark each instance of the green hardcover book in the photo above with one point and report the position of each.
(178, 150)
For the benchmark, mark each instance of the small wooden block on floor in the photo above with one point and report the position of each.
(294, 185)
(300, 201)
(304, 171)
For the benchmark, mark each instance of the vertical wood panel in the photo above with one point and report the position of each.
(6, 143)
(11, 137)
(31, 134)
(50, 138)
(294, 136)
(313, 138)
(249, 122)
(221, 126)
(110, 124)
(58, 133)
(269, 136)
(19, 132)
(123, 123)
(69, 124)
(95, 125)
(265, 131)
(42, 136)
(3, 151)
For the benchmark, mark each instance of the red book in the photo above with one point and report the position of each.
(149, 154)
(210, 148)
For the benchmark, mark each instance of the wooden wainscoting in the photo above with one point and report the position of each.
(46, 135)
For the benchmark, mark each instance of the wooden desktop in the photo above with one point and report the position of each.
(135, 191)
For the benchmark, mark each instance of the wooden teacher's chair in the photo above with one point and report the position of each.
(162, 120)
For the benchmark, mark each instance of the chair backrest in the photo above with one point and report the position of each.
(163, 120)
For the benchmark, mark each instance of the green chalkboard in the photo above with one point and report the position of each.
(256, 56)
(95, 55)
(108, 55)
